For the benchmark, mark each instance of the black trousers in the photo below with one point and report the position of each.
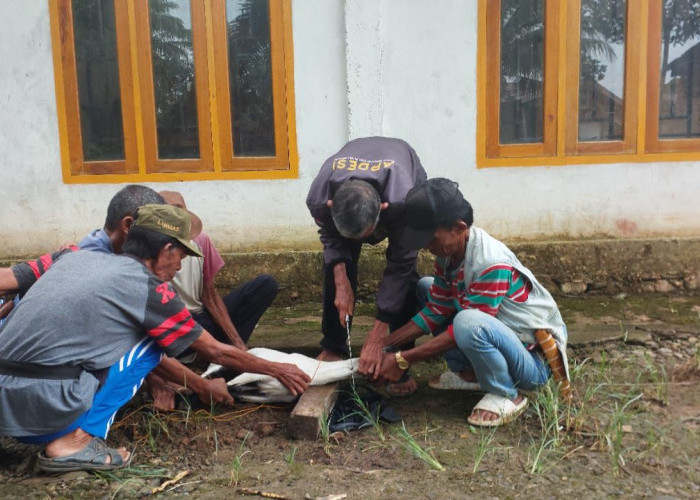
(245, 305)
(334, 334)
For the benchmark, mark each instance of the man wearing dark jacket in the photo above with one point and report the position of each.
(358, 197)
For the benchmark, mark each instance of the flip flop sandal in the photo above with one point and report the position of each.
(92, 457)
(506, 410)
(451, 381)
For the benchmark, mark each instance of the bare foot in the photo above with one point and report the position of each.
(73, 443)
(403, 388)
(484, 415)
(163, 395)
(327, 355)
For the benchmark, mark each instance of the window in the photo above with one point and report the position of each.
(588, 81)
(159, 90)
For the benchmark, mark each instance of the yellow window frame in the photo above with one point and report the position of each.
(141, 164)
(639, 143)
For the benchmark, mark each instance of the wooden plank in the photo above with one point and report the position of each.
(316, 403)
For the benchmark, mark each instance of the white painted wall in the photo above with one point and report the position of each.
(404, 68)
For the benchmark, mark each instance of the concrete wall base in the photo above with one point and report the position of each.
(564, 267)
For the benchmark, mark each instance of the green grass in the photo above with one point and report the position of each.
(367, 413)
(237, 462)
(409, 442)
(484, 446)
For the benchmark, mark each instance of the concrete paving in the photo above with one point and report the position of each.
(636, 320)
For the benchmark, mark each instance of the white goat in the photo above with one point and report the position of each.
(257, 388)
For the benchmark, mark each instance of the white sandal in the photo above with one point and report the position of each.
(451, 381)
(506, 410)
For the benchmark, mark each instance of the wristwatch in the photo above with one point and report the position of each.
(401, 362)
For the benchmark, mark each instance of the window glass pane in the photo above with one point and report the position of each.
(522, 71)
(679, 95)
(250, 77)
(173, 79)
(98, 80)
(602, 70)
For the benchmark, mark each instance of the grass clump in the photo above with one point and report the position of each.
(408, 442)
(237, 463)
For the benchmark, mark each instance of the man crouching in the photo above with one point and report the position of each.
(81, 341)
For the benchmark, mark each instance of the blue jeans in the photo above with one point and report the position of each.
(493, 351)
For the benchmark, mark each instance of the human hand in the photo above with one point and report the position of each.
(291, 377)
(371, 359)
(239, 344)
(390, 370)
(344, 300)
(216, 391)
(163, 395)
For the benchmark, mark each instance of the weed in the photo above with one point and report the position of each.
(138, 471)
(614, 433)
(654, 443)
(659, 378)
(187, 403)
(603, 368)
(483, 446)
(130, 475)
(409, 442)
(539, 448)
(295, 467)
(625, 333)
(579, 416)
(547, 408)
(155, 425)
(289, 457)
(371, 417)
(237, 462)
(324, 425)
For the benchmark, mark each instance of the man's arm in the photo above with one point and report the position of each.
(214, 304)
(435, 311)
(170, 324)
(211, 300)
(372, 350)
(437, 345)
(344, 297)
(289, 375)
(20, 277)
(408, 332)
(206, 390)
(8, 281)
(371, 358)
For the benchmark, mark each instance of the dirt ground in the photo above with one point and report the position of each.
(633, 429)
